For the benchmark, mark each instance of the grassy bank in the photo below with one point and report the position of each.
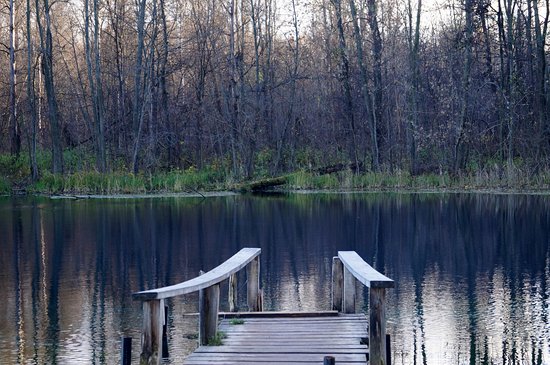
(14, 177)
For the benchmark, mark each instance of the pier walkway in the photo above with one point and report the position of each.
(257, 337)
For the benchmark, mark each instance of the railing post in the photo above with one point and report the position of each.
(377, 326)
(209, 305)
(151, 337)
(349, 292)
(253, 288)
(232, 296)
(337, 283)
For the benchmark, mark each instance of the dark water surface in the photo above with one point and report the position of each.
(472, 271)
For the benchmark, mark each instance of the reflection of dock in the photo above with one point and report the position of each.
(258, 337)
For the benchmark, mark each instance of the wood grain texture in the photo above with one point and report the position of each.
(288, 340)
(349, 295)
(377, 326)
(337, 284)
(151, 336)
(214, 276)
(363, 272)
(209, 304)
(253, 285)
(232, 295)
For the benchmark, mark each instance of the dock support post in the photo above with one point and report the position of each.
(349, 292)
(165, 334)
(377, 326)
(151, 337)
(233, 293)
(253, 288)
(329, 360)
(126, 353)
(337, 283)
(209, 305)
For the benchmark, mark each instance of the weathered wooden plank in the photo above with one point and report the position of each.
(288, 348)
(377, 326)
(214, 276)
(271, 314)
(274, 357)
(348, 305)
(337, 284)
(151, 337)
(209, 304)
(286, 362)
(253, 287)
(284, 340)
(232, 295)
(363, 271)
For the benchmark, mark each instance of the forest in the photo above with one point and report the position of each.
(265, 87)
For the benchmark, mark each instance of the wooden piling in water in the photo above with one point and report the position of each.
(253, 287)
(337, 284)
(126, 351)
(209, 305)
(151, 337)
(377, 326)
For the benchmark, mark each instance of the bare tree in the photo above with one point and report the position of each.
(414, 119)
(31, 97)
(345, 78)
(43, 13)
(15, 134)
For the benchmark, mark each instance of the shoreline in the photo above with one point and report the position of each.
(226, 193)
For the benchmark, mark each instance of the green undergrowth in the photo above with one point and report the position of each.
(81, 178)
(399, 180)
(126, 183)
(217, 340)
(236, 321)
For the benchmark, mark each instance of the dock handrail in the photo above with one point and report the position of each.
(347, 268)
(363, 272)
(214, 276)
(208, 285)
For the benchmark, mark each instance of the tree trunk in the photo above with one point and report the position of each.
(46, 45)
(369, 102)
(15, 135)
(414, 43)
(459, 148)
(345, 78)
(138, 91)
(31, 99)
(377, 76)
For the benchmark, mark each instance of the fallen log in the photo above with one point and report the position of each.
(263, 184)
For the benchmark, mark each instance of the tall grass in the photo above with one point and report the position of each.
(81, 178)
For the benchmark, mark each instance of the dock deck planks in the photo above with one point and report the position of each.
(288, 340)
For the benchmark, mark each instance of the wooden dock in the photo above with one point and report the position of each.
(288, 339)
(258, 337)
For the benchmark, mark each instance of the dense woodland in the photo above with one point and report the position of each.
(387, 85)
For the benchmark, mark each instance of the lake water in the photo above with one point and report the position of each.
(472, 271)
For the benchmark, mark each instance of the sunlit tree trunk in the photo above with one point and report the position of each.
(459, 148)
(368, 100)
(345, 78)
(414, 43)
(96, 85)
(31, 97)
(46, 47)
(15, 134)
(138, 89)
